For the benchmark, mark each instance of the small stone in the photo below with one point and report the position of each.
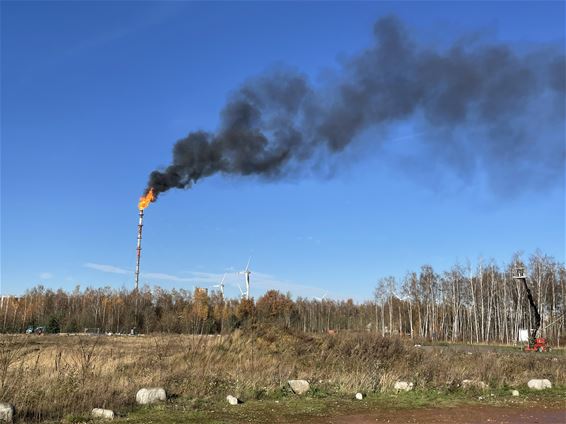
(359, 396)
(232, 400)
(514, 393)
(299, 387)
(146, 396)
(106, 414)
(6, 412)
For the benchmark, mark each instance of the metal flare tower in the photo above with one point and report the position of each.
(138, 250)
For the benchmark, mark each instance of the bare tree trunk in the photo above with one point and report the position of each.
(400, 320)
(411, 318)
(376, 326)
(474, 306)
(6, 313)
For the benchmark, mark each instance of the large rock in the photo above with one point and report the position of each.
(106, 414)
(477, 384)
(146, 396)
(6, 412)
(538, 384)
(299, 387)
(403, 386)
(232, 400)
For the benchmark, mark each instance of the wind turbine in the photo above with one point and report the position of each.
(247, 273)
(221, 285)
(241, 292)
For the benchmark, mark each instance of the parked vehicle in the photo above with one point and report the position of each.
(35, 330)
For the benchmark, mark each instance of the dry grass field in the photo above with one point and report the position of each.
(61, 376)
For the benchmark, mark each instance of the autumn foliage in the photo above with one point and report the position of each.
(476, 304)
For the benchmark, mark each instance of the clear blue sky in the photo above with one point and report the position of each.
(94, 94)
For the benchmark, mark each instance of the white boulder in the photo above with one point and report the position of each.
(146, 396)
(514, 393)
(359, 396)
(299, 387)
(232, 400)
(539, 384)
(106, 414)
(403, 386)
(6, 413)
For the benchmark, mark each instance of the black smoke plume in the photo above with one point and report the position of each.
(484, 106)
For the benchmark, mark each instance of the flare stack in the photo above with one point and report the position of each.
(138, 249)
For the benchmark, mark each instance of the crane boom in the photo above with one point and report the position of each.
(533, 308)
(535, 344)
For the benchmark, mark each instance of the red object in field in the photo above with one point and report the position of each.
(539, 345)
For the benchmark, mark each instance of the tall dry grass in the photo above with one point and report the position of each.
(52, 376)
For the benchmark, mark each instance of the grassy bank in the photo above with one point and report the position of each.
(51, 377)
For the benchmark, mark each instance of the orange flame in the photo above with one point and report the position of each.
(146, 200)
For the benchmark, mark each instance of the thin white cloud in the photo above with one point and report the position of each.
(161, 276)
(270, 282)
(207, 277)
(107, 268)
(260, 282)
(164, 277)
(45, 276)
(152, 17)
(308, 239)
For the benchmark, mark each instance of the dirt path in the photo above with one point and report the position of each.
(456, 415)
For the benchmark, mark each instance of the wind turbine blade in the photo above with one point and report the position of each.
(223, 277)
(241, 292)
(248, 265)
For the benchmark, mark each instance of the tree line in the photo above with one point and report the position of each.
(479, 303)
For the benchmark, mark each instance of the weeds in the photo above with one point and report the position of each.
(58, 376)
(85, 357)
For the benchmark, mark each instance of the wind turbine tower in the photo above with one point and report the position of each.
(221, 286)
(247, 273)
